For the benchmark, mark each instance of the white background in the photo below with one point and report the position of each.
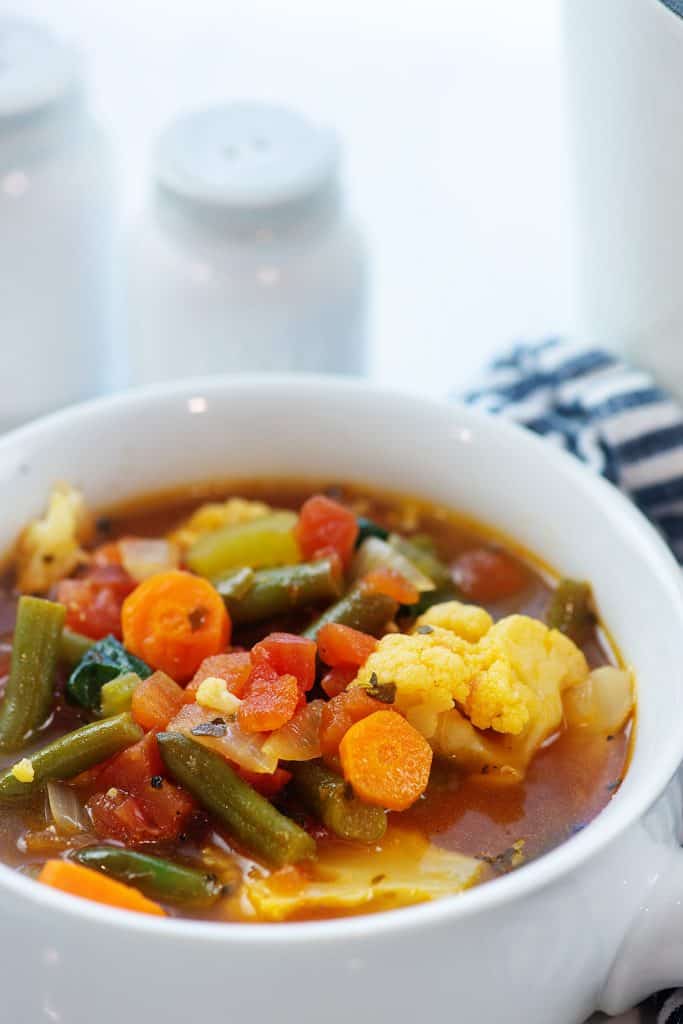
(451, 113)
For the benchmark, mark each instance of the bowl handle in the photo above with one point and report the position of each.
(651, 954)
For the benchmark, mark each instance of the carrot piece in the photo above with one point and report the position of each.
(393, 584)
(386, 761)
(234, 668)
(337, 679)
(92, 885)
(156, 701)
(270, 701)
(340, 713)
(175, 620)
(484, 574)
(324, 525)
(342, 645)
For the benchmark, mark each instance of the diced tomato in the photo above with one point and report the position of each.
(485, 574)
(337, 679)
(266, 785)
(156, 701)
(270, 700)
(326, 525)
(393, 584)
(288, 654)
(138, 804)
(93, 602)
(234, 668)
(340, 713)
(107, 554)
(342, 645)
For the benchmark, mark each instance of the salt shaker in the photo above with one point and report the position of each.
(56, 281)
(245, 258)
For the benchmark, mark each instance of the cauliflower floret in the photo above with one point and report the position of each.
(507, 677)
(50, 548)
(215, 514)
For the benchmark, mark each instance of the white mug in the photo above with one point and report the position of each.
(624, 62)
(595, 923)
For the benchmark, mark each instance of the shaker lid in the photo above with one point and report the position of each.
(246, 156)
(36, 67)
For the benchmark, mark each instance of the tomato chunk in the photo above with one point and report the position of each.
(270, 701)
(288, 654)
(340, 713)
(325, 525)
(266, 785)
(93, 602)
(485, 574)
(156, 701)
(337, 679)
(342, 645)
(233, 668)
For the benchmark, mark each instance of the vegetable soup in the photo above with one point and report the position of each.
(277, 702)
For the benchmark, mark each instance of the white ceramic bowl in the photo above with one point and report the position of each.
(598, 922)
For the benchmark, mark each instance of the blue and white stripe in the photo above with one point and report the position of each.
(610, 415)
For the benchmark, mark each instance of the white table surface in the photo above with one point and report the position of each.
(452, 116)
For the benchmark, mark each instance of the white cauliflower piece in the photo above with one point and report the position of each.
(215, 514)
(50, 548)
(459, 673)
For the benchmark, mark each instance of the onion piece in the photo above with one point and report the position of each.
(142, 557)
(238, 746)
(299, 740)
(66, 809)
(375, 553)
(601, 704)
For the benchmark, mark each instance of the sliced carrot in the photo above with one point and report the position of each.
(270, 701)
(337, 679)
(342, 645)
(386, 761)
(175, 620)
(233, 668)
(393, 584)
(485, 574)
(340, 713)
(91, 885)
(156, 701)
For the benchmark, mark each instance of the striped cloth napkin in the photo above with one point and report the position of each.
(617, 420)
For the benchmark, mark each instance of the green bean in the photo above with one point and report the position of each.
(360, 609)
(279, 591)
(71, 754)
(30, 687)
(234, 583)
(73, 647)
(570, 609)
(262, 542)
(116, 696)
(157, 878)
(369, 528)
(254, 822)
(327, 796)
(426, 560)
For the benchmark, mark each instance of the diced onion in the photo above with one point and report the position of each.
(601, 704)
(299, 740)
(143, 557)
(243, 748)
(375, 553)
(66, 809)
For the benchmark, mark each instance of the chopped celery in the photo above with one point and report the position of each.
(116, 696)
(259, 544)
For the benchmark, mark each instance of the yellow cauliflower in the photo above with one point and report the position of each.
(50, 548)
(215, 514)
(507, 677)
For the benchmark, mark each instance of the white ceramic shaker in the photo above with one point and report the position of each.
(625, 90)
(55, 229)
(245, 258)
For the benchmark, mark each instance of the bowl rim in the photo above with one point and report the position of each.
(626, 808)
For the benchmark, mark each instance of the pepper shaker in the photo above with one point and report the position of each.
(245, 258)
(55, 228)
